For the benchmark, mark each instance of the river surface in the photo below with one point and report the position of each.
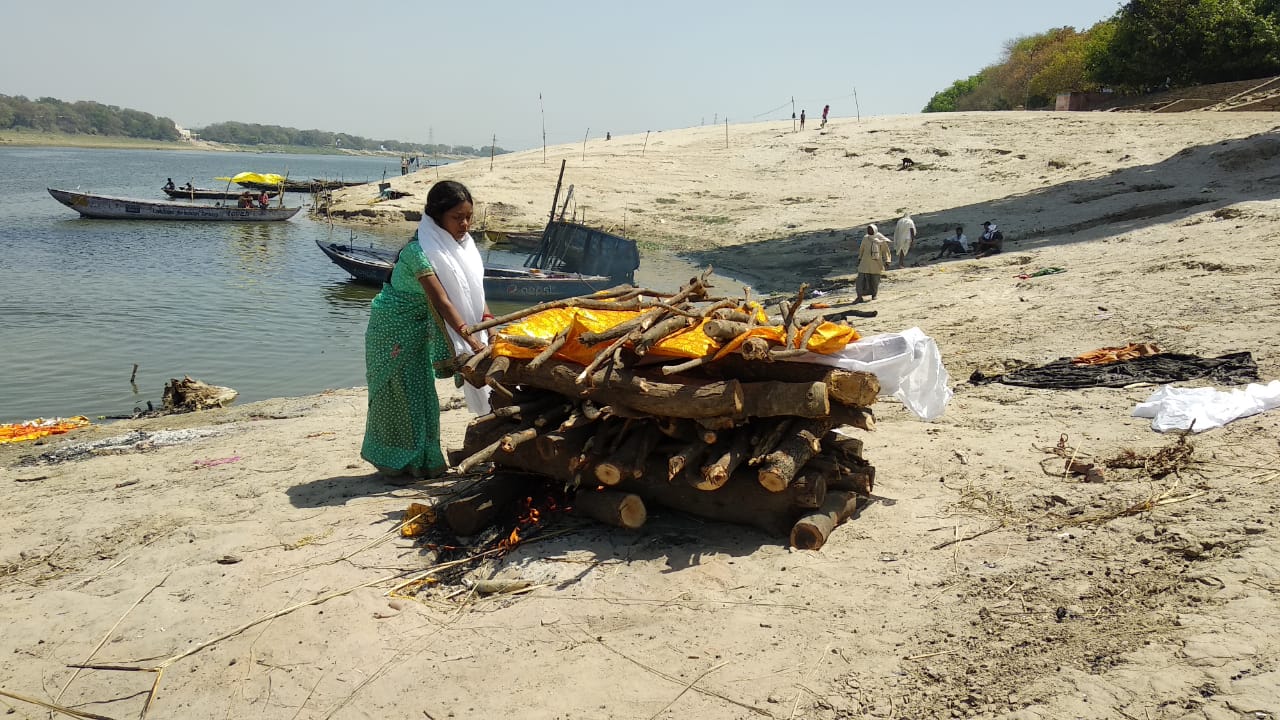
(254, 306)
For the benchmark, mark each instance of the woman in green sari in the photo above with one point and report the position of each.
(416, 327)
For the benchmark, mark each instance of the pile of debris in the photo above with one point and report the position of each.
(704, 405)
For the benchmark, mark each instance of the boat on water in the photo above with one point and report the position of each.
(206, 194)
(118, 208)
(372, 266)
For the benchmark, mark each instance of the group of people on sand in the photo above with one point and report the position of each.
(826, 110)
(876, 253)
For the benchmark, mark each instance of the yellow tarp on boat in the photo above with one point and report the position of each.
(38, 428)
(691, 342)
(255, 178)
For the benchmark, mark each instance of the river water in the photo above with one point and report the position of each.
(255, 306)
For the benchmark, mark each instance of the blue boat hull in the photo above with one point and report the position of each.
(372, 266)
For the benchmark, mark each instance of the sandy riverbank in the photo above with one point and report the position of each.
(1054, 603)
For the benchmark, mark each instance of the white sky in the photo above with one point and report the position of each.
(461, 72)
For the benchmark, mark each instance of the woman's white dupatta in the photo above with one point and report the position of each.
(461, 272)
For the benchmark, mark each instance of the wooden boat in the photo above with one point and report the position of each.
(205, 194)
(573, 247)
(372, 266)
(117, 208)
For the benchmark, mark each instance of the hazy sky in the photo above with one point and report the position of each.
(459, 72)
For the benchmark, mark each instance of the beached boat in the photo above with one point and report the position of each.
(573, 247)
(117, 208)
(372, 266)
(206, 194)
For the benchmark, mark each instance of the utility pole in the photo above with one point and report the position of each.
(542, 108)
(855, 104)
(793, 113)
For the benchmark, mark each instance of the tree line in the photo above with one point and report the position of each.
(86, 117)
(1146, 45)
(48, 114)
(238, 133)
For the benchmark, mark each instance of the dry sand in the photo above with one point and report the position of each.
(1052, 604)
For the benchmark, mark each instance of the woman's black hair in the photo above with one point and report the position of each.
(441, 198)
(445, 196)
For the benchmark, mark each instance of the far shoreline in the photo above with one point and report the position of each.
(26, 139)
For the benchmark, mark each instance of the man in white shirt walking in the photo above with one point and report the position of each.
(904, 236)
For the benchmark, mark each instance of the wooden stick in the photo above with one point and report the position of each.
(509, 441)
(479, 456)
(779, 467)
(788, 322)
(716, 473)
(551, 349)
(69, 712)
(811, 531)
(687, 456)
(617, 331)
(659, 331)
(629, 460)
(686, 365)
(619, 509)
(768, 441)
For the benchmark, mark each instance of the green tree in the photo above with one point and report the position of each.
(1161, 43)
(945, 101)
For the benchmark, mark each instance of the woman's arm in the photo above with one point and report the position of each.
(439, 299)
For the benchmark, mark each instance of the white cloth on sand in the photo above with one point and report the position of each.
(460, 271)
(1200, 409)
(907, 364)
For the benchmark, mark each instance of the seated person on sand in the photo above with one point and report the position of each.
(991, 242)
(957, 244)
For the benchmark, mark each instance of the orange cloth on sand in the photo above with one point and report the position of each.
(40, 427)
(691, 342)
(1108, 355)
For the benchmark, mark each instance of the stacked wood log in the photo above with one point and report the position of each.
(756, 436)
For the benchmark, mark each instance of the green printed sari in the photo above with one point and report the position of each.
(403, 346)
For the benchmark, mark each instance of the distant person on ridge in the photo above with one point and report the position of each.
(801, 119)
(825, 109)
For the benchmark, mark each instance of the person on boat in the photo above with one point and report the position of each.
(169, 185)
(246, 200)
(264, 200)
(417, 326)
(189, 187)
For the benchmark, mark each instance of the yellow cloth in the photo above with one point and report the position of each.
(692, 342)
(255, 178)
(40, 427)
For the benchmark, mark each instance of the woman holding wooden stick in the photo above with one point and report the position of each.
(417, 326)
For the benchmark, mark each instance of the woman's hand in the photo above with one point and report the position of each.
(475, 344)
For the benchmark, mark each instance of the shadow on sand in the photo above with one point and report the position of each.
(1194, 180)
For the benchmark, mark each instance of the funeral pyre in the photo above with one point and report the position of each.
(630, 397)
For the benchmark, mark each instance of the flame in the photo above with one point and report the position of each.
(530, 516)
